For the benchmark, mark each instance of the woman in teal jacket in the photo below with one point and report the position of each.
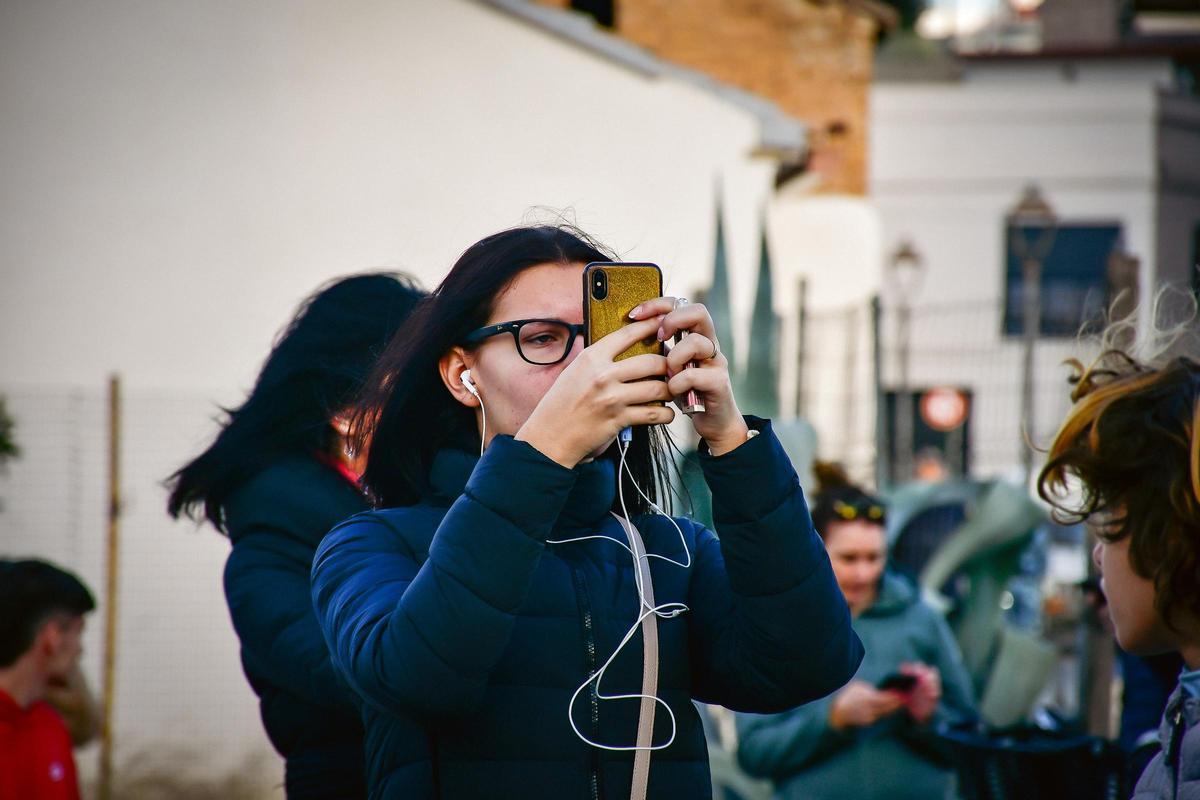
(867, 740)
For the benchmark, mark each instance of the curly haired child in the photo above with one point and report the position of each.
(1127, 461)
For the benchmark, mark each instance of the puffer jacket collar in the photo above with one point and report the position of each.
(586, 508)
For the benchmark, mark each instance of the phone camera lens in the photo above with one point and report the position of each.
(599, 284)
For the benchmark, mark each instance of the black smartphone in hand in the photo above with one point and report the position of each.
(897, 682)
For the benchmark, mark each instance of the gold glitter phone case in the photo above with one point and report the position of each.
(610, 291)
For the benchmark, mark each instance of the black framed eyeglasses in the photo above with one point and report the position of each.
(539, 341)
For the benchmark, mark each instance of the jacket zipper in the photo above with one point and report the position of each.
(1171, 757)
(589, 639)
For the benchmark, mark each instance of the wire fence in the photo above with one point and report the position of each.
(185, 721)
(851, 357)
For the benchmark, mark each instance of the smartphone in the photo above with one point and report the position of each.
(610, 291)
(897, 682)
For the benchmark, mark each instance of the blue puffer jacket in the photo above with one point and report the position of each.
(276, 520)
(467, 634)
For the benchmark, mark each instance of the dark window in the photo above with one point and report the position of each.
(603, 11)
(1074, 283)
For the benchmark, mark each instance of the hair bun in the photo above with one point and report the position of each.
(830, 475)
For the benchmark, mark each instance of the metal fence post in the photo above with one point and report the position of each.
(850, 365)
(882, 456)
(903, 421)
(112, 586)
(801, 346)
(1031, 329)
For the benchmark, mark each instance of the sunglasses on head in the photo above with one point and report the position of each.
(862, 509)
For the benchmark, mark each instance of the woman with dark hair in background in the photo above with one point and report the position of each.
(278, 476)
(482, 611)
(874, 738)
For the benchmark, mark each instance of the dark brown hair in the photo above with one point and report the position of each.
(1132, 440)
(837, 499)
(313, 372)
(406, 415)
(31, 592)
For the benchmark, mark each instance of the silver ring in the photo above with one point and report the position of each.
(679, 301)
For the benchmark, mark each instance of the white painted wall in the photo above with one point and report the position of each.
(194, 162)
(178, 175)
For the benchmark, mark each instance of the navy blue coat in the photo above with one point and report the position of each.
(276, 520)
(467, 634)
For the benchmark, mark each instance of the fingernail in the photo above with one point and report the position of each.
(634, 314)
(661, 334)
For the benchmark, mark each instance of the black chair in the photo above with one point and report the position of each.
(1028, 763)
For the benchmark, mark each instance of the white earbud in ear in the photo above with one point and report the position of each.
(465, 377)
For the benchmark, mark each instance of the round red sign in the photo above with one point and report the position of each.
(944, 408)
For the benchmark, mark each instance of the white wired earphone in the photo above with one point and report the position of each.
(662, 610)
(469, 384)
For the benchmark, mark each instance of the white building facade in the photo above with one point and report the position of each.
(1113, 145)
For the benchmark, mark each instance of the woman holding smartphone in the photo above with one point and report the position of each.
(876, 737)
(470, 610)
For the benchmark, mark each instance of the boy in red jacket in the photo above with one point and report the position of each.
(41, 627)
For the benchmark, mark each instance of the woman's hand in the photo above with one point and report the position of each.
(596, 396)
(720, 424)
(925, 695)
(860, 705)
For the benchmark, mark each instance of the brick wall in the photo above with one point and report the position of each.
(813, 59)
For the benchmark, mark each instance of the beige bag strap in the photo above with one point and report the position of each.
(645, 733)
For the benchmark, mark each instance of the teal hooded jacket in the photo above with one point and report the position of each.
(894, 759)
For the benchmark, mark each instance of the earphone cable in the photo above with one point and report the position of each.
(645, 609)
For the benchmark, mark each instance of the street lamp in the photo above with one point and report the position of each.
(1032, 227)
(906, 268)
